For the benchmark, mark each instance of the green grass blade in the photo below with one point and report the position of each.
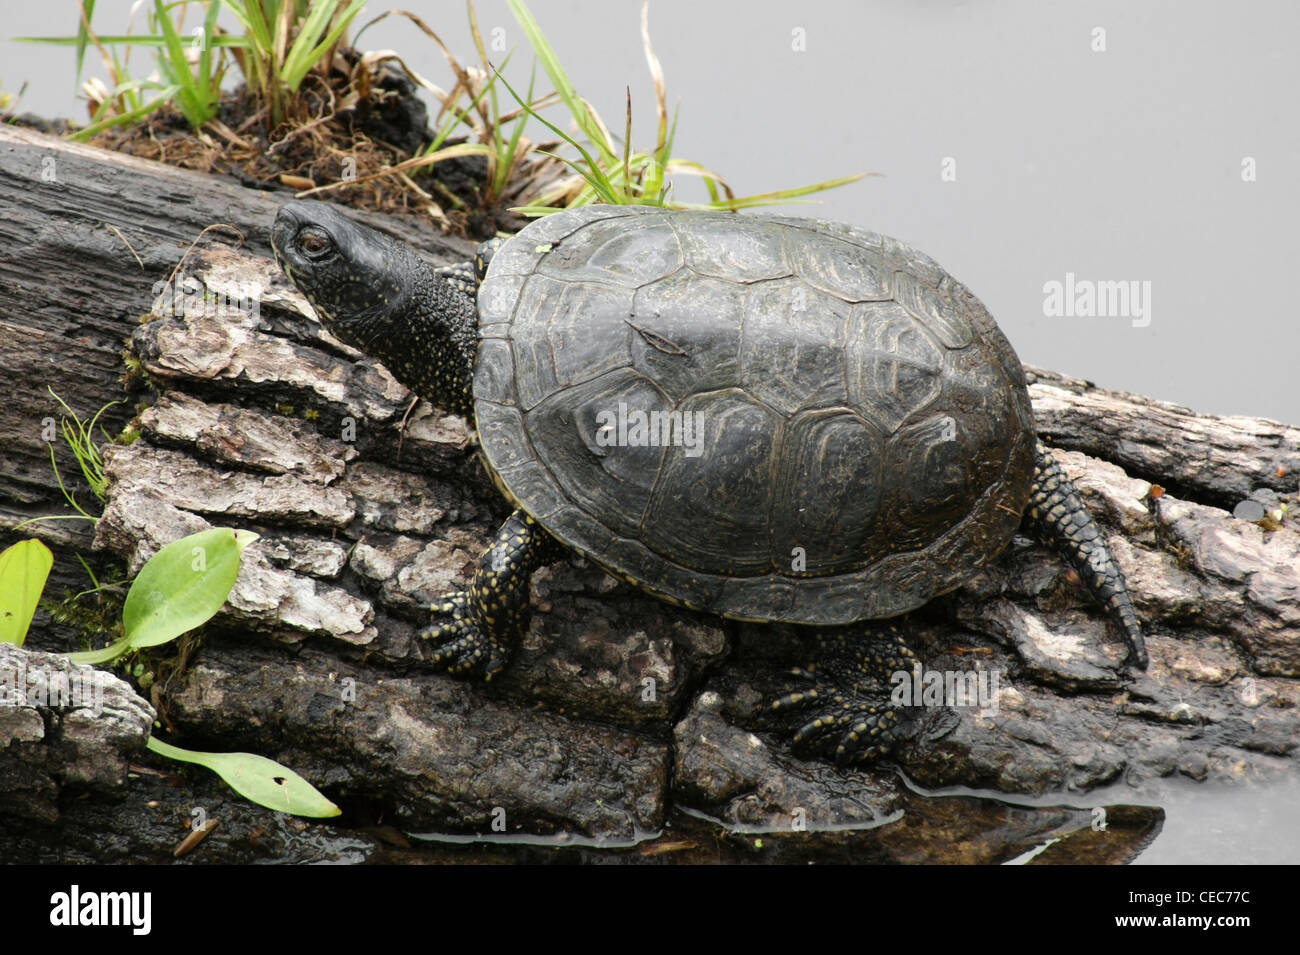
(24, 568)
(597, 182)
(534, 211)
(257, 779)
(104, 118)
(249, 15)
(211, 91)
(662, 158)
(89, 573)
(67, 495)
(303, 54)
(177, 69)
(333, 36)
(131, 39)
(444, 131)
(594, 174)
(503, 168)
(560, 80)
(296, 61)
(458, 116)
(627, 148)
(788, 195)
(80, 438)
(82, 38)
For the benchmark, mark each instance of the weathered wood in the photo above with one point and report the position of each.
(87, 238)
(261, 420)
(64, 725)
(1205, 458)
(1220, 597)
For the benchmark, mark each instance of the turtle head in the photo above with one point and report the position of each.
(358, 280)
(376, 294)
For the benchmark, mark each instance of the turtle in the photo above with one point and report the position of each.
(764, 418)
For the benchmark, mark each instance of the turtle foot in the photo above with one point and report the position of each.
(475, 632)
(843, 710)
(462, 648)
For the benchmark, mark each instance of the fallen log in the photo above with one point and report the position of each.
(618, 710)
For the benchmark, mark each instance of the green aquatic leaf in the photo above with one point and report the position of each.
(257, 779)
(183, 585)
(23, 570)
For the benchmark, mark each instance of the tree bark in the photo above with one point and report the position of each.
(85, 238)
(619, 709)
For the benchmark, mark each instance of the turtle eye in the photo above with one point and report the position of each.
(314, 243)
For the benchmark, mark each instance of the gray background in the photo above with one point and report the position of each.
(1115, 165)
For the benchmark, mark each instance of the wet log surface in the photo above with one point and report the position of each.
(621, 717)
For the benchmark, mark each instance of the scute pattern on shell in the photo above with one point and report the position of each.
(857, 405)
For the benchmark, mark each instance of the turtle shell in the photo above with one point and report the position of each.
(767, 418)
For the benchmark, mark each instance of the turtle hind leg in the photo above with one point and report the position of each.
(1057, 516)
(476, 631)
(844, 710)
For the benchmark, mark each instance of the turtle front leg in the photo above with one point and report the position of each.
(480, 628)
(461, 276)
(1057, 516)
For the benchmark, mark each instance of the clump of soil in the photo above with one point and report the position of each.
(359, 121)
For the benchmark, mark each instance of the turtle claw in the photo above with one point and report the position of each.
(797, 700)
(853, 719)
(860, 731)
(454, 605)
(814, 731)
(462, 647)
(871, 736)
